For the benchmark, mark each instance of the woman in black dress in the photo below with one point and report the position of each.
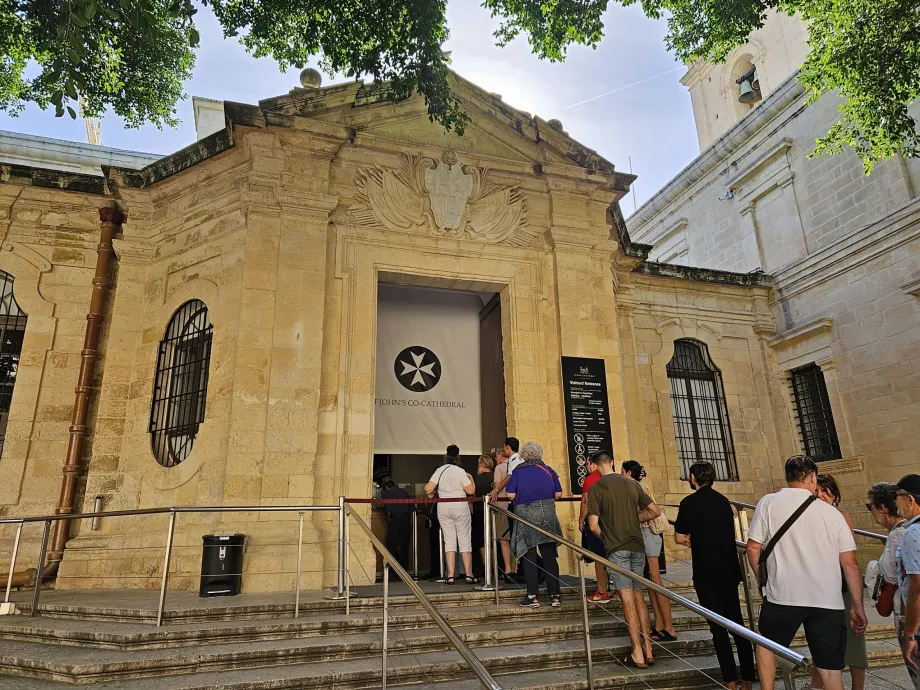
(483, 481)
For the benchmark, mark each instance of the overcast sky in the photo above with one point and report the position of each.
(651, 121)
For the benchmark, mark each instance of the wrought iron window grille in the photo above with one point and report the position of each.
(180, 385)
(814, 415)
(701, 425)
(12, 331)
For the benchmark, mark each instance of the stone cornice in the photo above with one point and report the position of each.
(744, 175)
(795, 335)
(912, 288)
(705, 275)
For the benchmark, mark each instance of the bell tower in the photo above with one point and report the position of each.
(723, 94)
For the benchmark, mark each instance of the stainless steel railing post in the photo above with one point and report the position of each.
(347, 563)
(495, 557)
(41, 568)
(166, 559)
(462, 648)
(340, 584)
(386, 617)
(584, 618)
(746, 584)
(788, 680)
(414, 543)
(299, 561)
(9, 579)
(487, 540)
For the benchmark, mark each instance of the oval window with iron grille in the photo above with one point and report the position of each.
(180, 384)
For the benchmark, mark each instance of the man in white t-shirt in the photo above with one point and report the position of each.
(804, 583)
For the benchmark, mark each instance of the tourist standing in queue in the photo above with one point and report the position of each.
(616, 507)
(399, 519)
(534, 488)
(591, 541)
(908, 556)
(883, 505)
(663, 628)
(706, 524)
(502, 528)
(806, 544)
(452, 481)
(856, 656)
(483, 481)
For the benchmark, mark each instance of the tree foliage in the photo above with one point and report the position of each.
(133, 55)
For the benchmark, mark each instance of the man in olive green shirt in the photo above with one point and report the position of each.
(616, 506)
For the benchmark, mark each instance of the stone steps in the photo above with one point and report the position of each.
(560, 668)
(256, 644)
(133, 636)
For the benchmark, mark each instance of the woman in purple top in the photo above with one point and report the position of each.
(534, 487)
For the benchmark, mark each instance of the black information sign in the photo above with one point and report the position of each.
(587, 415)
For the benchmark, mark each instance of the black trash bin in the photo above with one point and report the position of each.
(221, 565)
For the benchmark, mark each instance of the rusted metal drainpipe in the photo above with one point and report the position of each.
(110, 219)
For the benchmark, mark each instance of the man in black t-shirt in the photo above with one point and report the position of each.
(705, 523)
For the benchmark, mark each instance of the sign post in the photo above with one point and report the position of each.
(587, 414)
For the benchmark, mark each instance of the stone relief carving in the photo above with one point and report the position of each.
(444, 198)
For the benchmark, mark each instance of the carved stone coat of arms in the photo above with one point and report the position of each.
(441, 197)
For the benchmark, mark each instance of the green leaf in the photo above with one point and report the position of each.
(72, 113)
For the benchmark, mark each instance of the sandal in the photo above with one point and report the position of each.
(449, 581)
(472, 580)
(654, 634)
(629, 662)
(664, 636)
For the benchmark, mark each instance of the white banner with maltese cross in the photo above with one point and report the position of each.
(427, 387)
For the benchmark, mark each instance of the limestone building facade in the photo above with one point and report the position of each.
(841, 248)
(246, 274)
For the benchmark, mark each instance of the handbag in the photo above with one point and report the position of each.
(762, 570)
(660, 524)
(884, 604)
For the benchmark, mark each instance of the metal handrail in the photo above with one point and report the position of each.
(390, 562)
(861, 532)
(791, 658)
(172, 511)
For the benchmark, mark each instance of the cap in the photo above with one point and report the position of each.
(910, 483)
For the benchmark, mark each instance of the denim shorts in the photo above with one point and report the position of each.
(633, 561)
(652, 543)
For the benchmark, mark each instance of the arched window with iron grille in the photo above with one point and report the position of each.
(701, 425)
(180, 385)
(12, 329)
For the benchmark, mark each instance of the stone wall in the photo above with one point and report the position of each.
(842, 250)
(285, 233)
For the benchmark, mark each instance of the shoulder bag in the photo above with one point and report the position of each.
(765, 554)
(660, 524)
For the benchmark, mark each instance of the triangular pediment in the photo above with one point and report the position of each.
(495, 130)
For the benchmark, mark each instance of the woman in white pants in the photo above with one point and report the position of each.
(452, 481)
